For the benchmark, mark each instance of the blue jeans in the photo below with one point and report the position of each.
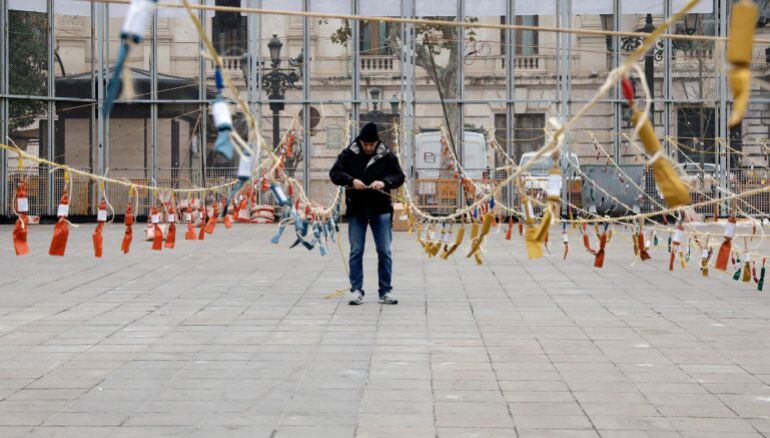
(383, 235)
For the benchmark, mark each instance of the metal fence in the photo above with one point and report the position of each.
(435, 191)
(439, 191)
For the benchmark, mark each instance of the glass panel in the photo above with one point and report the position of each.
(331, 92)
(27, 50)
(74, 58)
(129, 125)
(28, 129)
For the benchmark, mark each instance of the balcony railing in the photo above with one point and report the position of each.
(692, 55)
(388, 63)
(526, 63)
(232, 66)
(375, 63)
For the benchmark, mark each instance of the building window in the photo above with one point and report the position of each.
(373, 38)
(525, 40)
(695, 134)
(528, 134)
(335, 137)
(229, 30)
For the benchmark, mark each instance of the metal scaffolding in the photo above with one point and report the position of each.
(100, 58)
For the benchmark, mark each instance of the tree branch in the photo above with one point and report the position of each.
(422, 54)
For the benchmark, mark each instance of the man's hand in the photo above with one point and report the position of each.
(377, 185)
(358, 184)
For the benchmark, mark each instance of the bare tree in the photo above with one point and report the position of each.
(431, 42)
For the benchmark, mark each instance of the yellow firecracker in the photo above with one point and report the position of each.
(739, 53)
(674, 191)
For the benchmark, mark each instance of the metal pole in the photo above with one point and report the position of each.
(101, 81)
(256, 61)
(724, 161)
(649, 67)
(618, 106)
(460, 132)
(564, 74)
(510, 109)
(51, 105)
(355, 69)
(4, 189)
(93, 144)
(256, 66)
(667, 53)
(105, 38)
(154, 97)
(202, 84)
(276, 128)
(306, 139)
(408, 68)
(251, 80)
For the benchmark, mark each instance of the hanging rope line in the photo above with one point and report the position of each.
(483, 201)
(433, 22)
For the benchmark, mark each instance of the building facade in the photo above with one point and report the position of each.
(502, 82)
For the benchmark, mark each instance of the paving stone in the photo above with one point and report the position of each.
(233, 337)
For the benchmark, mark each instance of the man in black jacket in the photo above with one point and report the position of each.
(368, 171)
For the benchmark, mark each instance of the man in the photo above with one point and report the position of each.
(369, 171)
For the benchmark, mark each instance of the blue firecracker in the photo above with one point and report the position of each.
(223, 121)
(132, 32)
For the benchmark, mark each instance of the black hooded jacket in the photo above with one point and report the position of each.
(383, 166)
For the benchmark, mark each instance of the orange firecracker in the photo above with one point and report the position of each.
(643, 254)
(212, 221)
(227, 219)
(128, 236)
(237, 205)
(204, 213)
(98, 237)
(289, 144)
(61, 229)
(599, 260)
(22, 223)
(157, 234)
(190, 234)
(243, 210)
(171, 235)
(726, 248)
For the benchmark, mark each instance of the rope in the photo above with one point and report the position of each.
(433, 22)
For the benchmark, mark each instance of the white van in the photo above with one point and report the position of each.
(427, 147)
(428, 163)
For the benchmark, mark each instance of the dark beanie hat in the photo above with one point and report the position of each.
(369, 133)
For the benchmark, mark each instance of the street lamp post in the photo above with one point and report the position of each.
(655, 53)
(276, 81)
(394, 103)
(649, 66)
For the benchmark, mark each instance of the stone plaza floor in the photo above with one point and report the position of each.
(233, 337)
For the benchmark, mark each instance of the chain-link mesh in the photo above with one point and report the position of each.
(36, 185)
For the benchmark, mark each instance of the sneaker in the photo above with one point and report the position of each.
(356, 298)
(389, 298)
